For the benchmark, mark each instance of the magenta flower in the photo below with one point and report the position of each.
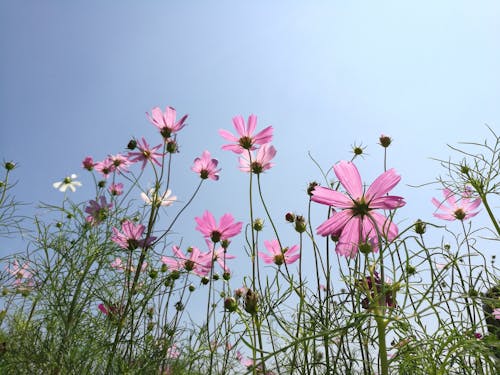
(116, 189)
(88, 163)
(358, 223)
(145, 154)
(461, 210)
(226, 229)
(130, 236)
(261, 162)
(246, 139)
(278, 255)
(206, 167)
(98, 212)
(165, 122)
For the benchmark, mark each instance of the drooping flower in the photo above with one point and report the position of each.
(67, 182)
(259, 163)
(130, 236)
(245, 139)
(278, 255)
(462, 209)
(116, 189)
(98, 212)
(145, 154)
(153, 197)
(165, 122)
(88, 163)
(358, 222)
(226, 229)
(206, 167)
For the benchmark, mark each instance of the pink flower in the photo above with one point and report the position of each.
(117, 264)
(145, 154)
(130, 236)
(173, 352)
(98, 212)
(196, 262)
(496, 313)
(116, 189)
(461, 210)
(88, 163)
(246, 139)
(226, 229)
(206, 167)
(217, 255)
(165, 122)
(120, 162)
(278, 255)
(358, 223)
(21, 273)
(245, 361)
(261, 162)
(105, 167)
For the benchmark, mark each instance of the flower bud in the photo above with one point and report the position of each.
(132, 144)
(311, 187)
(290, 217)
(172, 147)
(251, 302)
(9, 165)
(258, 225)
(153, 274)
(385, 141)
(230, 304)
(101, 184)
(300, 224)
(191, 288)
(226, 276)
(205, 280)
(420, 227)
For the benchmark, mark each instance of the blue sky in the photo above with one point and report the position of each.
(77, 78)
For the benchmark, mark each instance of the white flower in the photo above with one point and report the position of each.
(68, 182)
(158, 199)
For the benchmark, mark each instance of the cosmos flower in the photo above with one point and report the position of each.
(462, 209)
(21, 274)
(496, 313)
(358, 223)
(226, 229)
(245, 139)
(259, 163)
(130, 236)
(116, 189)
(154, 197)
(196, 262)
(67, 182)
(218, 255)
(98, 212)
(165, 122)
(206, 167)
(145, 154)
(278, 255)
(88, 163)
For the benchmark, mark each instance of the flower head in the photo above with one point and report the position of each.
(153, 197)
(462, 209)
(165, 122)
(496, 313)
(226, 229)
(246, 139)
(21, 273)
(105, 167)
(130, 236)
(116, 189)
(218, 255)
(67, 182)
(261, 162)
(195, 262)
(88, 163)
(206, 167)
(278, 255)
(358, 222)
(145, 154)
(120, 162)
(98, 212)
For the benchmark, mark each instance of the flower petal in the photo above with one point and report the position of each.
(349, 177)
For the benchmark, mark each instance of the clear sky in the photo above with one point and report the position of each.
(76, 78)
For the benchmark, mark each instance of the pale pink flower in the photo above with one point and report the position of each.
(245, 139)
(259, 163)
(21, 274)
(165, 122)
(145, 154)
(88, 163)
(117, 264)
(197, 262)
(278, 255)
(98, 212)
(173, 352)
(116, 189)
(120, 162)
(130, 236)
(456, 210)
(206, 167)
(496, 313)
(358, 223)
(105, 167)
(153, 197)
(226, 229)
(218, 255)
(245, 361)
